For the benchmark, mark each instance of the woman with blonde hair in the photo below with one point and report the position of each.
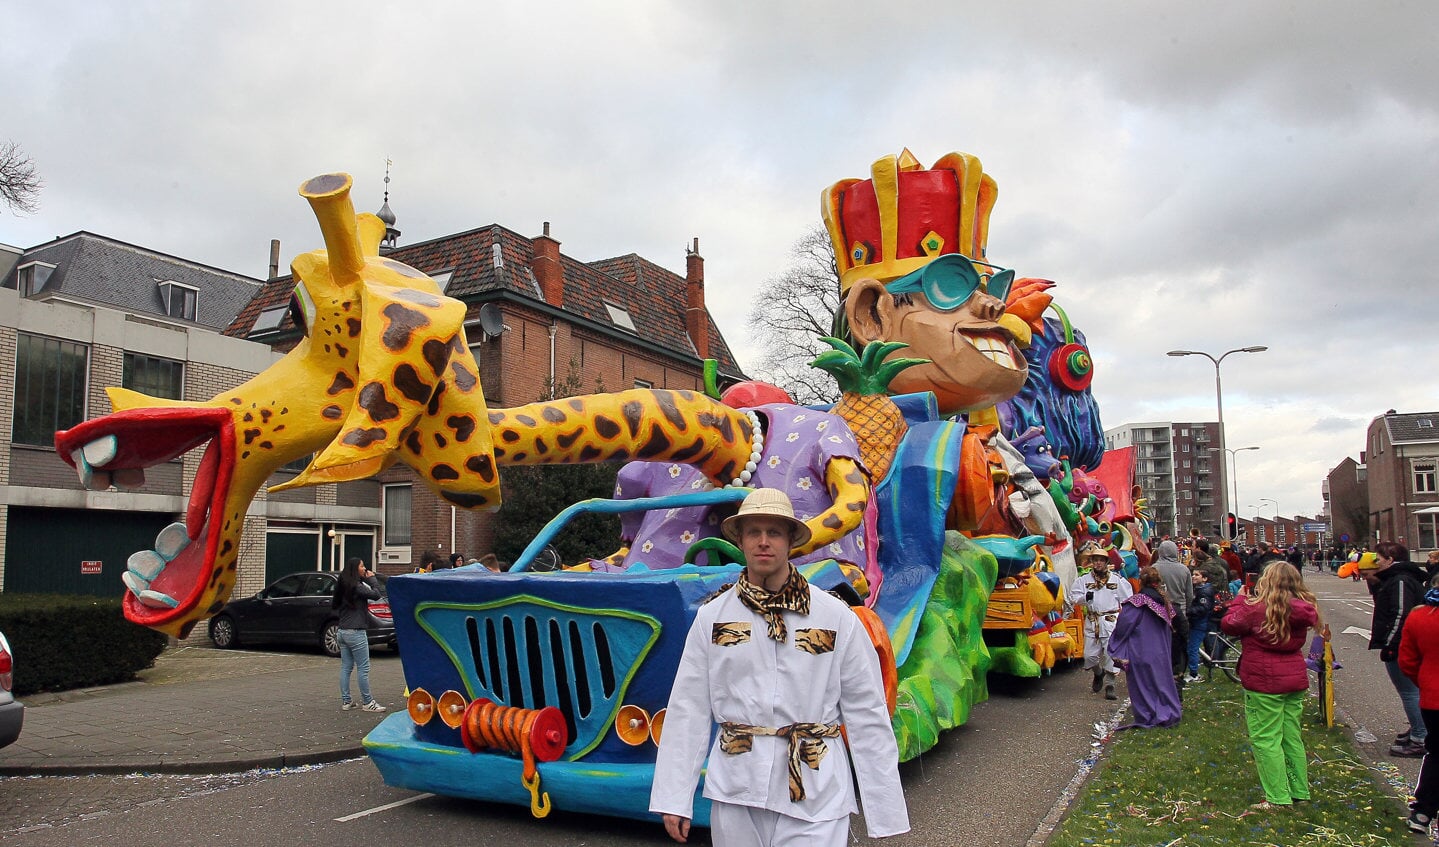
(1271, 621)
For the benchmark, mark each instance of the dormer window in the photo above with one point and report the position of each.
(442, 278)
(31, 277)
(180, 300)
(269, 320)
(620, 317)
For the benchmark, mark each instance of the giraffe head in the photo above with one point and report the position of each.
(383, 374)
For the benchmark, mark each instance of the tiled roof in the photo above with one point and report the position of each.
(653, 295)
(97, 269)
(1415, 427)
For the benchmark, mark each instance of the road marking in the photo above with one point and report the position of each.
(1356, 631)
(384, 808)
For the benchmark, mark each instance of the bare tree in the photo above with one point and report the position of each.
(19, 183)
(794, 310)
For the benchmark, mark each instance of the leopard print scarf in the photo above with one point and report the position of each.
(792, 597)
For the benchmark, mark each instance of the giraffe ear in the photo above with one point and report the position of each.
(407, 340)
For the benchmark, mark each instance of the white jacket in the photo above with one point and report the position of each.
(757, 680)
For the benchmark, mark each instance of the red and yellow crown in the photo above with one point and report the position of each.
(904, 216)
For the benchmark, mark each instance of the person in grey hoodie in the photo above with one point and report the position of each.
(1180, 588)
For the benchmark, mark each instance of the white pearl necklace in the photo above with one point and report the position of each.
(756, 452)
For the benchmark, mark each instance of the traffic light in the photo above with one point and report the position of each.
(1233, 523)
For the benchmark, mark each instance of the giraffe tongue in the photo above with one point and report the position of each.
(202, 491)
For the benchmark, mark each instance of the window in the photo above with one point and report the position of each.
(1186, 448)
(397, 515)
(1424, 476)
(31, 278)
(1186, 463)
(1425, 423)
(154, 376)
(644, 383)
(49, 388)
(269, 319)
(1188, 495)
(179, 300)
(1428, 532)
(1188, 480)
(1188, 510)
(1184, 432)
(619, 317)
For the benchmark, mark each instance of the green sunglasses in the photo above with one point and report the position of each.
(950, 280)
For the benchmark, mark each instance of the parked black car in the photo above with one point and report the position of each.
(295, 609)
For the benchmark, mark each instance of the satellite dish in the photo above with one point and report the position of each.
(492, 322)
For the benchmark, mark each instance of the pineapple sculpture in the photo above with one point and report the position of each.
(864, 403)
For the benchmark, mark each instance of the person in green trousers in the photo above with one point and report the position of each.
(1271, 620)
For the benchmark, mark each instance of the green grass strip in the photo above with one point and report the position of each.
(1193, 785)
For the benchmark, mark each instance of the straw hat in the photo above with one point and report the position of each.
(1092, 550)
(769, 502)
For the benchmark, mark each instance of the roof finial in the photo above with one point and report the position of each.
(392, 235)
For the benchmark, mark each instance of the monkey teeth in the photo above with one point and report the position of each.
(145, 566)
(98, 453)
(993, 349)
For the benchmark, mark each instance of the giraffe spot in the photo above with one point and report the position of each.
(721, 423)
(280, 428)
(185, 630)
(342, 350)
(466, 501)
(265, 415)
(251, 435)
(412, 441)
(526, 420)
(226, 547)
(236, 400)
(855, 476)
(403, 322)
(464, 379)
(541, 447)
(405, 270)
(346, 305)
(553, 415)
(364, 437)
(606, 428)
(245, 455)
(249, 418)
(441, 441)
(436, 354)
(407, 379)
(687, 394)
(342, 382)
(832, 522)
(519, 457)
(687, 453)
(510, 436)
(855, 506)
(444, 473)
(589, 453)
(266, 445)
(482, 466)
(499, 452)
(730, 470)
(657, 443)
(577, 405)
(352, 326)
(215, 607)
(463, 425)
(374, 401)
(496, 417)
(327, 347)
(433, 408)
(634, 415)
(331, 413)
(566, 440)
(666, 401)
(620, 455)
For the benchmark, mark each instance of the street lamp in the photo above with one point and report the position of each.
(1275, 503)
(1234, 476)
(1219, 403)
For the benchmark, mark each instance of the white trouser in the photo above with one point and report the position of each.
(1096, 648)
(747, 826)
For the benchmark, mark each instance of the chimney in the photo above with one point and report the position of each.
(696, 320)
(546, 267)
(274, 258)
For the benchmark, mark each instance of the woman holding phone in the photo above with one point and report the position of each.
(355, 589)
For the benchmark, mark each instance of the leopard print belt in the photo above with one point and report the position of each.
(805, 746)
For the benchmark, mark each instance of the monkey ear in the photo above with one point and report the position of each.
(870, 311)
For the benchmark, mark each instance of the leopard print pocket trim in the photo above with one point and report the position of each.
(814, 641)
(731, 634)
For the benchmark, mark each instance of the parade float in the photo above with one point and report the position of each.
(945, 492)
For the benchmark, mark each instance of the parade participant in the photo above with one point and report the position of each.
(778, 665)
(1419, 659)
(1398, 586)
(1270, 621)
(1099, 593)
(1142, 638)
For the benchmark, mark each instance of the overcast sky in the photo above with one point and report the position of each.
(1194, 175)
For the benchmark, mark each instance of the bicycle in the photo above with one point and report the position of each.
(1220, 651)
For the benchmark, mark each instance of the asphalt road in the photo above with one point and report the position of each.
(990, 782)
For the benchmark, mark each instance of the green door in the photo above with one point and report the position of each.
(290, 552)
(46, 550)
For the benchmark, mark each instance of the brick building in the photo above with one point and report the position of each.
(1346, 501)
(1180, 468)
(1402, 464)
(536, 318)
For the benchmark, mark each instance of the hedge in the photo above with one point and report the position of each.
(64, 641)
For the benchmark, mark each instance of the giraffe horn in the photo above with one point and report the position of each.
(329, 197)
